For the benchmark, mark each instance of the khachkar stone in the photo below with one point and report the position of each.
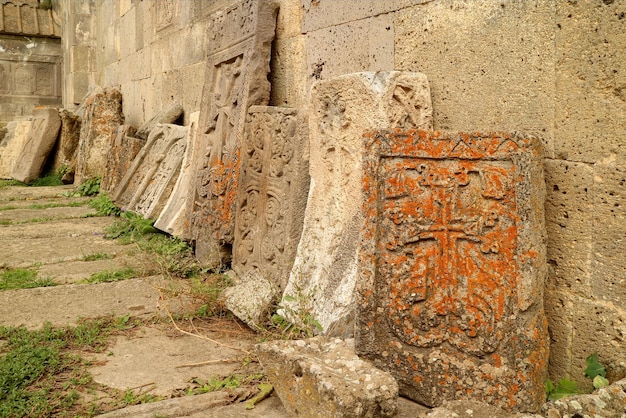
(174, 215)
(67, 145)
(325, 268)
(124, 149)
(236, 78)
(452, 264)
(168, 114)
(43, 134)
(149, 181)
(103, 115)
(12, 144)
(272, 195)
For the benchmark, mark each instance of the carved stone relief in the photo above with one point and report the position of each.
(273, 189)
(149, 181)
(238, 64)
(452, 255)
(124, 149)
(325, 268)
(40, 141)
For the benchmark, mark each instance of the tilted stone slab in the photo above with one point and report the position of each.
(168, 114)
(124, 149)
(149, 182)
(173, 217)
(452, 264)
(272, 195)
(102, 116)
(240, 44)
(325, 268)
(67, 145)
(41, 138)
(12, 144)
(323, 377)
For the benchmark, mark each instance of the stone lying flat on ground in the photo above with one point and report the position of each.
(152, 359)
(325, 267)
(323, 377)
(40, 141)
(26, 215)
(102, 116)
(472, 409)
(149, 181)
(60, 201)
(238, 64)
(89, 228)
(12, 144)
(33, 193)
(452, 264)
(168, 114)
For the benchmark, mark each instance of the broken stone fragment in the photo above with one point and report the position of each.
(323, 377)
(169, 114)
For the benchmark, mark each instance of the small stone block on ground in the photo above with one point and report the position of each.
(252, 299)
(40, 141)
(323, 377)
(452, 264)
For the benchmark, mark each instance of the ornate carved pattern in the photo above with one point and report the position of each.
(232, 25)
(44, 79)
(453, 245)
(271, 168)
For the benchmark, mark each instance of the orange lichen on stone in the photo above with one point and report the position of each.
(442, 267)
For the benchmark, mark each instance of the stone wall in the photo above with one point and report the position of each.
(553, 69)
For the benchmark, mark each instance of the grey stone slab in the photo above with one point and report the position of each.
(324, 377)
(240, 44)
(101, 118)
(40, 141)
(28, 215)
(168, 114)
(325, 267)
(149, 181)
(11, 145)
(19, 193)
(452, 266)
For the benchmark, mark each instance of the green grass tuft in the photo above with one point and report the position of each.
(22, 279)
(112, 276)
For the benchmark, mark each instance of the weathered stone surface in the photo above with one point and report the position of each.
(452, 265)
(471, 409)
(103, 114)
(252, 299)
(26, 17)
(169, 114)
(325, 268)
(323, 377)
(147, 185)
(173, 217)
(40, 141)
(607, 402)
(236, 78)
(67, 145)
(273, 189)
(12, 144)
(124, 149)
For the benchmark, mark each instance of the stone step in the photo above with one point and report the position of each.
(19, 216)
(28, 203)
(16, 193)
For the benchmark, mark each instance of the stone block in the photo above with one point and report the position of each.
(124, 149)
(569, 212)
(42, 136)
(452, 264)
(174, 215)
(68, 141)
(12, 144)
(192, 79)
(240, 42)
(505, 83)
(272, 196)
(103, 114)
(288, 76)
(609, 234)
(325, 268)
(322, 377)
(252, 299)
(169, 114)
(590, 116)
(149, 181)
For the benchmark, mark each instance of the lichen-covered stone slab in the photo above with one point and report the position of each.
(41, 138)
(148, 183)
(173, 217)
(124, 149)
(273, 190)
(324, 273)
(11, 145)
(323, 377)
(452, 266)
(240, 44)
(102, 116)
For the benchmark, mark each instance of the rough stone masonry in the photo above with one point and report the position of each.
(452, 266)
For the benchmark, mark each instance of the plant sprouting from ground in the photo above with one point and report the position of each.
(104, 206)
(565, 387)
(89, 187)
(22, 279)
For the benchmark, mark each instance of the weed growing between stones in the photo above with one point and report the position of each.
(295, 320)
(98, 256)
(49, 179)
(112, 276)
(8, 183)
(89, 187)
(22, 279)
(42, 373)
(565, 387)
(104, 206)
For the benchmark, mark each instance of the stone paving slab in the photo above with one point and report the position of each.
(30, 202)
(27, 215)
(33, 193)
(73, 228)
